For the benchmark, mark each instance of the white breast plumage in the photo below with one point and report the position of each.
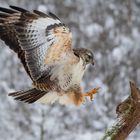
(75, 72)
(78, 71)
(68, 75)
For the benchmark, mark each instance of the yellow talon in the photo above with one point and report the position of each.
(92, 92)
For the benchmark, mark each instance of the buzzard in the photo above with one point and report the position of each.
(43, 44)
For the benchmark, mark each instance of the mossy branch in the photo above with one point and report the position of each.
(128, 116)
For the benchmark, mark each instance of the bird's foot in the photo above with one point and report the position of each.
(92, 92)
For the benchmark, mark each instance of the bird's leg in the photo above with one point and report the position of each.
(92, 92)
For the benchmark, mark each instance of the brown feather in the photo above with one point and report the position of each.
(6, 10)
(18, 9)
(8, 35)
(28, 96)
(40, 13)
(75, 95)
(55, 50)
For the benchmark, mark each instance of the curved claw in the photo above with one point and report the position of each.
(92, 92)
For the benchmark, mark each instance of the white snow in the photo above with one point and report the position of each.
(94, 30)
(109, 23)
(42, 8)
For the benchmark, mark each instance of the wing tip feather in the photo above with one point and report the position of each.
(18, 8)
(53, 16)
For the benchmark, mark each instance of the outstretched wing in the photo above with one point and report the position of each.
(8, 34)
(43, 39)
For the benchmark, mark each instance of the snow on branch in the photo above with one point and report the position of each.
(128, 117)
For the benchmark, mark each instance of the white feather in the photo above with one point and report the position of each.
(77, 71)
(42, 23)
(63, 71)
(65, 100)
(50, 97)
(53, 97)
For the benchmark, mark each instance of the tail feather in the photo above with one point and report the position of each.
(28, 96)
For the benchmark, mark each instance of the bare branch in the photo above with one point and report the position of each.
(128, 116)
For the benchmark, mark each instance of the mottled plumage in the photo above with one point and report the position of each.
(43, 44)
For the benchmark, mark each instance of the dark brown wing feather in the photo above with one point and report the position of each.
(10, 11)
(41, 14)
(8, 35)
(28, 96)
(18, 9)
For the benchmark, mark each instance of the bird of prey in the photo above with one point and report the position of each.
(43, 44)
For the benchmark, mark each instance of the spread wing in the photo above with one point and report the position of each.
(40, 40)
(8, 34)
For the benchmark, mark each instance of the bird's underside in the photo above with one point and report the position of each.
(43, 44)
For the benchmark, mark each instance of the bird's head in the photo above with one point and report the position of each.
(85, 54)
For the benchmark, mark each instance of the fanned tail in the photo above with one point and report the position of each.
(28, 96)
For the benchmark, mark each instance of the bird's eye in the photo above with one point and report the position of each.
(89, 56)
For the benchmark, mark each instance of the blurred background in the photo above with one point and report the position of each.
(111, 29)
